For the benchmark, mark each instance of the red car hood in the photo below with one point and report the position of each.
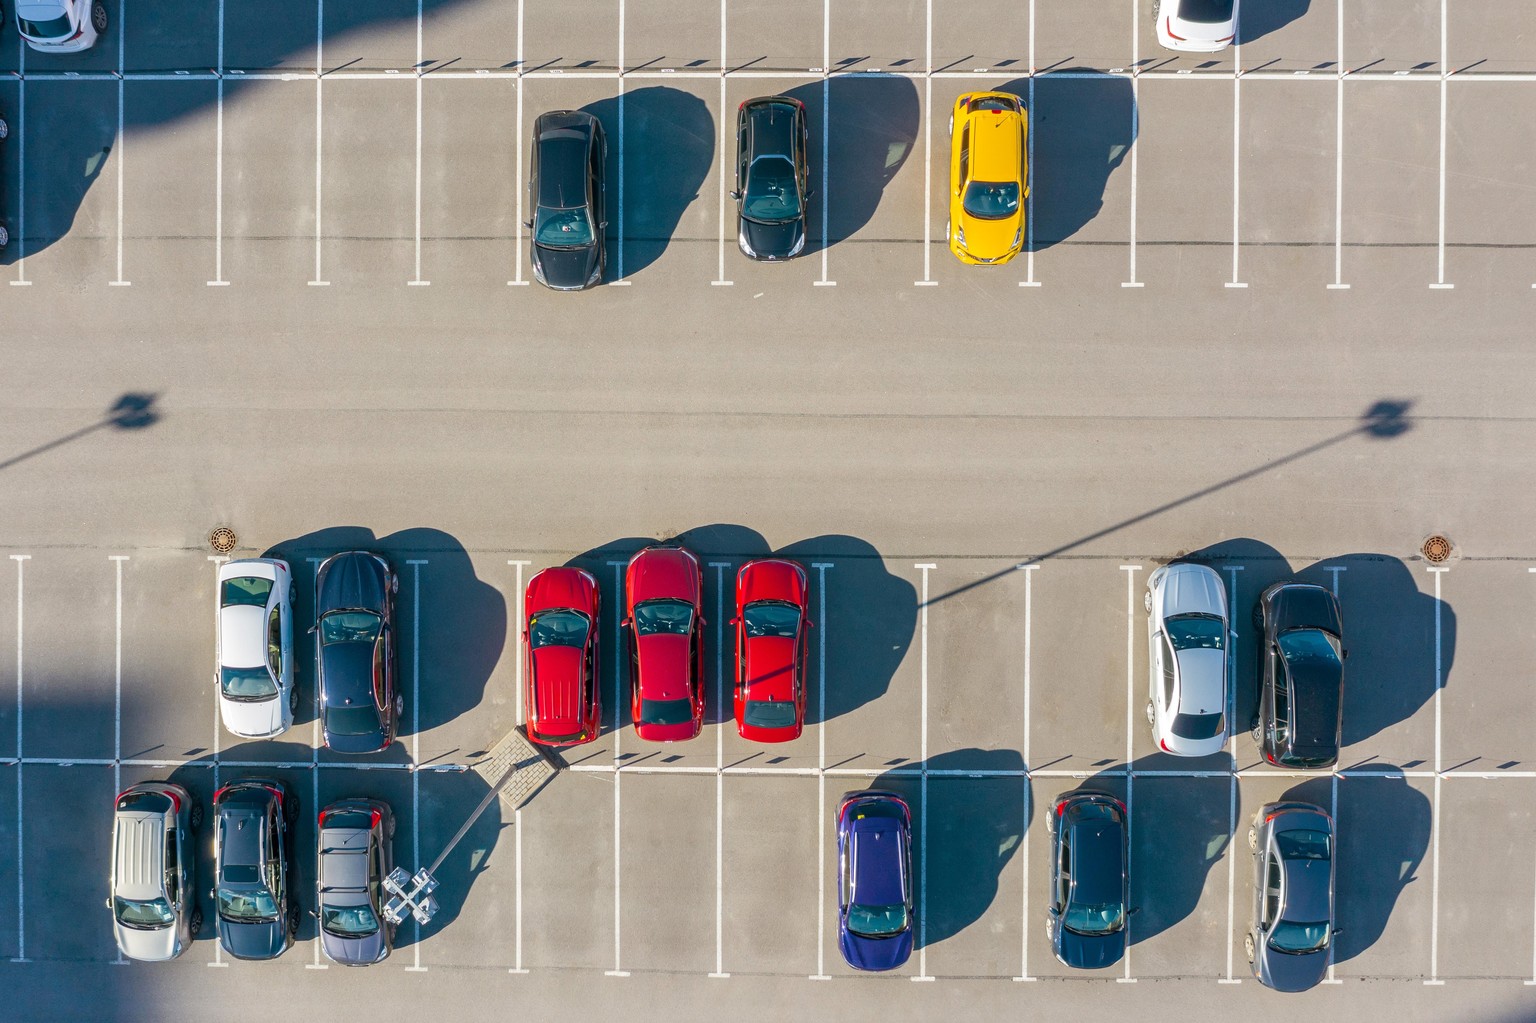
(771, 668)
(770, 580)
(557, 689)
(559, 587)
(663, 572)
(664, 667)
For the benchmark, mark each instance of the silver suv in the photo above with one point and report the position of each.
(153, 898)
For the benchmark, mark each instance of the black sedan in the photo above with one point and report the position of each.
(566, 194)
(253, 859)
(1089, 884)
(360, 698)
(771, 177)
(1299, 717)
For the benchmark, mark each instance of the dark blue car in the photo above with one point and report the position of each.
(874, 880)
(1089, 885)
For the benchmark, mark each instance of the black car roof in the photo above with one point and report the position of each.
(1315, 697)
(771, 128)
(563, 168)
(240, 838)
(1097, 850)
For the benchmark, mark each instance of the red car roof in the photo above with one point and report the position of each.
(664, 667)
(771, 668)
(556, 686)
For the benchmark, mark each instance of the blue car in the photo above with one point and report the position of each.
(1090, 886)
(874, 880)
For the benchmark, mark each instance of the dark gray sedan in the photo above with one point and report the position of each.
(253, 859)
(1089, 884)
(355, 857)
(567, 194)
(1298, 721)
(1293, 928)
(771, 177)
(360, 698)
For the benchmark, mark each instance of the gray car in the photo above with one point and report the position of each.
(153, 894)
(1293, 852)
(253, 859)
(354, 859)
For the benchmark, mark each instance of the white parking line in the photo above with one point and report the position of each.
(218, 167)
(1237, 136)
(826, 119)
(1434, 889)
(928, 160)
(415, 738)
(21, 862)
(521, 183)
(1338, 172)
(821, 770)
(517, 837)
(218, 560)
(520, 623)
(517, 815)
(1029, 574)
(724, 143)
(1130, 720)
(319, 279)
(1333, 788)
(20, 238)
(922, 864)
(1135, 130)
(720, 567)
(1444, 82)
(117, 690)
(618, 717)
(122, 19)
(417, 281)
(1232, 571)
(619, 277)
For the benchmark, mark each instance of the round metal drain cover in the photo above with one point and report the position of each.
(1436, 549)
(222, 540)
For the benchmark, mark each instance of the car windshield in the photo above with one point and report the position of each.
(771, 194)
(769, 713)
(1092, 919)
(1198, 726)
(558, 628)
(877, 921)
(362, 720)
(771, 618)
(1305, 647)
(348, 921)
(992, 200)
(349, 627)
(1302, 845)
(143, 916)
(664, 617)
(1195, 632)
(665, 712)
(562, 229)
(246, 590)
(1299, 939)
(53, 28)
(247, 684)
(1206, 11)
(247, 906)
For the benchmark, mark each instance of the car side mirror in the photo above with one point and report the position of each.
(626, 623)
(1346, 655)
(108, 903)
(1338, 931)
(213, 893)
(311, 630)
(602, 226)
(810, 193)
(736, 194)
(1134, 911)
(528, 224)
(314, 915)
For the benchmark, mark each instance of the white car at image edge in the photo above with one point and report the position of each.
(1195, 26)
(257, 697)
(1190, 645)
(61, 26)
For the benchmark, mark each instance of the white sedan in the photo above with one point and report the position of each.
(1195, 26)
(257, 696)
(1188, 632)
(61, 26)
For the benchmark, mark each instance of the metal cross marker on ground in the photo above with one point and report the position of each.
(513, 757)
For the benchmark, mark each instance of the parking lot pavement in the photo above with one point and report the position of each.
(268, 225)
(553, 39)
(1180, 834)
(1387, 863)
(1486, 884)
(162, 587)
(961, 665)
(1291, 35)
(1288, 175)
(460, 37)
(989, 34)
(1393, 37)
(1169, 127)
(1391, 202)
(166, 231)
(1095, 34)
(69, 684)
(684, 36)
(469, 224)
(70, 189)
(667, 865)
(569, 876)
(780, 876)
(11, 909)
(368, 234)
(1491, 214)
(67, 860)
(1481, 718)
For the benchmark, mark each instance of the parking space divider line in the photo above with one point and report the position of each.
(522, 186)
(821, 767)
(218, 560)
(927, 157)
(720, 567)
(826, 119)
(218, 164)
(117, 699)
(1434, 889)
(21, 166)
(21, 862)
(720, 280)
(922, 867)
(122, 20)
(415, 738)
(1444, 82)
(420, 76)
(1237, 137)
(618, 704)
(1130, 719)
(1338, 173)
(1029, 572)
(1333, 787)
(1231, 708)
(319, 278)
(619, 277)
(1135, 75)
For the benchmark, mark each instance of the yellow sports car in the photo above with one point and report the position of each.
(988, 177)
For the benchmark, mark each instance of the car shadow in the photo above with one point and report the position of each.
(462, 620)
(1255, 21)
(1082, 123)
(1389, 632)
(448, 798)
(1383, 825)
(869, 123)
(1180, 829)
(972, 828)
(669, 145)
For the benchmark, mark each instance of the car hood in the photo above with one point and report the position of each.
(354, 951)
(875, 954)
(1090, 952)
(772, 241)
(989, 239)
(254, 720)
(352, 580)
(770, 580)
(154, 946)
(658, 572)
(265, 940)
(1193, 589)
(664, 667)
(1284, 972)
(553, 588)
(566, 268)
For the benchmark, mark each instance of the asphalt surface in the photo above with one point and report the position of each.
(1274, 322)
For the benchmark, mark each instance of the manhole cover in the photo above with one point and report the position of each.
(1436, 549)
(222, 540)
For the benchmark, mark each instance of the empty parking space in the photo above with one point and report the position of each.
(1490, 38)
(1181, 244)
(168, 233)
(971, 37)
(975, 876)
(683, 36)
(874, 666)
(380, 35)
(1290, 35)
(976, 666)
(668, 867)
(369, 135)
(159, 662)
(1487, 879)
(552, 39)
(667, 208)
(67, 848)
(1491, 204)
(460, 36)
(1385, 876)
(1181, 833)
(269, 222)
(774, 36)
(179, 35)
(870, 35)
(568, 875)
(470, 189)
(71, 179)
(68, 693)
(1483, 721)
(1093, 34)
(1391, 35)
(1288, 166)
(1391, 181)
(773, 900)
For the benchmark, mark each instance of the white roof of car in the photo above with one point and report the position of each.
(1202, 681)
(242, 636)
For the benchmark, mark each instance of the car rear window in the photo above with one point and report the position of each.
(665, 712)
(1207, 11)
(143, 802)
(352, 720)
(769, 713)
(359, 819)
(997, 103)
(1197, 726)
(53, 28)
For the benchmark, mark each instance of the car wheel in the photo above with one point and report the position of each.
(5, 236)
(399, 705)
(99, 16)
(1258, 734)
(5, 129)
(1253, 839)
(389, 832)
(197, 922)
(1146, 601)
(195, 817)
(293, 920)
(394, 584)
(1248, 946)
(293, 700)
(1151, 717)
(1258, 617)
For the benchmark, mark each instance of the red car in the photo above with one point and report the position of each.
(560, 628)
(772, 622)
(664, 589)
